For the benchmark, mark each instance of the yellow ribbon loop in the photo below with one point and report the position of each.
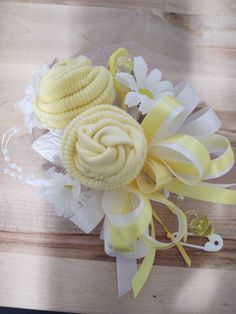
(186, 157)
(124, 234)
(144, 270)
(172, 237)
(153, 176)
(219, 145)
(203, 192)
(120, 61)
(182, 229)
(173, 152)
(118, 244)
(164, 119)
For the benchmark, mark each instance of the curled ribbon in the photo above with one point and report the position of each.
(180, 145)
(177, 158)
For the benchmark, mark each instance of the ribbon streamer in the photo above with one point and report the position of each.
(182, 152)
(179, 160)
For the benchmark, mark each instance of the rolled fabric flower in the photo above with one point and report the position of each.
(104, 148)
(70, 87)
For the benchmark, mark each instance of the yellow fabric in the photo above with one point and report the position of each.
(70, 87)
(104, 147)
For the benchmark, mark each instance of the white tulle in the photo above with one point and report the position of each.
(25, 105)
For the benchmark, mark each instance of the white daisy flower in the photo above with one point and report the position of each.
(61, 191)
(146, 90)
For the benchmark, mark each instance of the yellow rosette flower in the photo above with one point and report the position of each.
(104, 148)
(70, 87)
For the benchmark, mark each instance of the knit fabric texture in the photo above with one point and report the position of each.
(104, 148)
(70, 87)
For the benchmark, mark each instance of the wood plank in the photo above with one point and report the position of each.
(159, 5)
(38, 230)
(199, 48)
(90, 287)
(89, 247)
(212, 7)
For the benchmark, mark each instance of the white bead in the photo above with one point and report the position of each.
(12, 165)
(166, 193)
(6, 158)
(180, 197)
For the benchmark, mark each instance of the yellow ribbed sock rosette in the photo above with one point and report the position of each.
(104, 148)
(70, 87)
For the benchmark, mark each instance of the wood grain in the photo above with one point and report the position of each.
(186, 44)
(197, 48)
(90, 287)
(211, 7)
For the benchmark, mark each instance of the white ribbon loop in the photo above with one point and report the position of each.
(171, 124)
(113, 203)
(88, 216)
(204, 121)
(187, 96)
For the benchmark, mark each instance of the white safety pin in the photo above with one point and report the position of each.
(214, 244)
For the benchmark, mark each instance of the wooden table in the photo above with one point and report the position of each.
(47, 263)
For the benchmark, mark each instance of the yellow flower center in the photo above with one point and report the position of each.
(146, 92)
(68, 186)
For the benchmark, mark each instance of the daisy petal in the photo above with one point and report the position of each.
(127, 80)
(133, 99)
(146, 104)
(154, 77)
(140, 71)
(163, 87)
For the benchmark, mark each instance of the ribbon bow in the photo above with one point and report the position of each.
(179, 160)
